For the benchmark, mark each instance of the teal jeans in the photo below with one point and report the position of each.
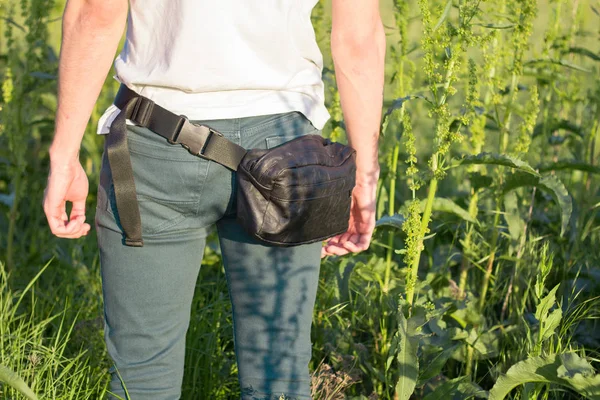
(148, 291)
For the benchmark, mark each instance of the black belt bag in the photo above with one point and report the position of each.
(296, 193)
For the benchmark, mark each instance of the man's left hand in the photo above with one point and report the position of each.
(66, 183)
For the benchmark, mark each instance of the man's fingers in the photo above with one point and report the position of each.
(344, 237)
(83, 230)
(364, 241)
(334, 240)
(355, 243)
(78, 209)
(335, 250)
(352, 244)
(63, 227)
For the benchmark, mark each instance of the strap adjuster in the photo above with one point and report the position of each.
(142, 111)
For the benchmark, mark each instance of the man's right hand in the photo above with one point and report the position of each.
(66, 182)
(360, 227)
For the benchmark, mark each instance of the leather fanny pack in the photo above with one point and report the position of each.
(296, 193)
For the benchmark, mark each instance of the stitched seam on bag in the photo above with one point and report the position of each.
(254, 181)
(303, 242)
(309, 165)
(306, 198)
(269, 191)
(310, 184)
(263, 217)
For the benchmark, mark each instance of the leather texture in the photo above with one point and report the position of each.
(298, 192)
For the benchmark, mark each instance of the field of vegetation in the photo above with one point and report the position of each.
(482, 279)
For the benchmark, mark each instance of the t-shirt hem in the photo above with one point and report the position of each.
(317, 115)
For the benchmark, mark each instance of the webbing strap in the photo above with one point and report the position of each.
(199, 140)
(122, 176)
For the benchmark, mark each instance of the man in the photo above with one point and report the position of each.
(251, 70)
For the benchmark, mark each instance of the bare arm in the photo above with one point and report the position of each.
(358, 49)
(91, 33)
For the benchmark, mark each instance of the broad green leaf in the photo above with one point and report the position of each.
(457, 389)
(555, 125)
(408, 362)
(366, 273)
(486, 345)
(382, 198)
(442, 204)
(392, 352)
(516, 225)
(545, 304)
(434, 361)
(584, 52)
(497, 159)
(344, 271)
(397, 104)
(479, 181)
(12, 379)
(570, 165)
(572, 365)
(580, 374)
(545, 369)
(549, 183)
(395, 221)
(549, 321)
(444, 15)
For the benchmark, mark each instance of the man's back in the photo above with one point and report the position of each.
(225, 59)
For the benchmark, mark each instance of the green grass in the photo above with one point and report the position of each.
(482, 277)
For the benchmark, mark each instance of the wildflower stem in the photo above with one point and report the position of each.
(392, 208)
(465, 264)
(492, 256)
(410, 292)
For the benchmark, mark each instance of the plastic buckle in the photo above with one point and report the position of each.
(194, 138)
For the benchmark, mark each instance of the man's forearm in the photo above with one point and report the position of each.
(92, 30)
(359, 69)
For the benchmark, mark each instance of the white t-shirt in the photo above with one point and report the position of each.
(223, 59)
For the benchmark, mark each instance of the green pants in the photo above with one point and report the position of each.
(148, 291)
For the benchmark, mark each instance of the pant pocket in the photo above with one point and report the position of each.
(169, 182)
(288, 127)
